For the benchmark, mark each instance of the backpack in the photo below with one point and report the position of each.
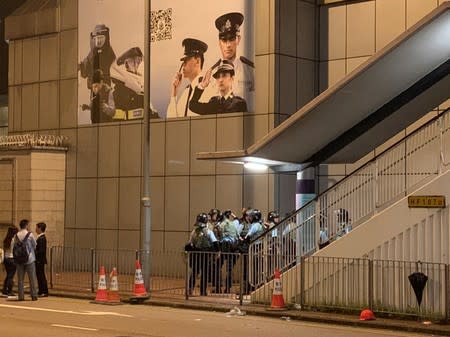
(20, 251)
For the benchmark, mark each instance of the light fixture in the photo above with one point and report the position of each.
(255, 166)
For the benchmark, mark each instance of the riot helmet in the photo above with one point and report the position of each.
(215, 214)
(202, 219)
(272, 216)
(255, 215)
(227, 214)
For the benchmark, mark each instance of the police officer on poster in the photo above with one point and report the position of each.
(226, 101)
(228, 26)
(101, 55)
(191, 67)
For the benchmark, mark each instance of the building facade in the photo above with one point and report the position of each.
(302, 47)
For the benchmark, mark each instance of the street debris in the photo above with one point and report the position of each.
(235, 312)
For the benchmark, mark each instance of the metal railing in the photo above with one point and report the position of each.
(393, 174)
(77, 269)
(380, 285)
(313, 282)
(332, 283)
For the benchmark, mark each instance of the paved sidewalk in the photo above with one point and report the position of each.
(228, 306)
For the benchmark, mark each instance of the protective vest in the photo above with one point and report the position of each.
(229, 230)
(200, 239)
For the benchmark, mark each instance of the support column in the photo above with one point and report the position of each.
(305, 191)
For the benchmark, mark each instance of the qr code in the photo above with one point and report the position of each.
(161, 25)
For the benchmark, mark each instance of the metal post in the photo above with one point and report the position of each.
(447, 289)
(317, 220)
(241, 279)
(441, 144)
(370, 284)
(93, 270)
(51, 267)
(375, 186)
(188, 257)
(302, 282)
(146, 206)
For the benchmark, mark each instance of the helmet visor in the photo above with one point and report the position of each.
(99, 41)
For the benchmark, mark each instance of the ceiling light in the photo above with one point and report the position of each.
(255, 166)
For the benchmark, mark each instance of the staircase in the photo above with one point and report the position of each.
(412, 163)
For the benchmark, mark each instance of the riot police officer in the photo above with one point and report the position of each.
(202, 241)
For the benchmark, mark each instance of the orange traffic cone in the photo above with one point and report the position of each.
(113, 292)
(139, 292)
(366, 315)
(277, 295)
(101, 295)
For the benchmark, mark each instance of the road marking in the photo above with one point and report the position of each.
(73, 327)
(85, 313)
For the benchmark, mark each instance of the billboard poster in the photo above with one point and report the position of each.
(110, 60)
(201, 59)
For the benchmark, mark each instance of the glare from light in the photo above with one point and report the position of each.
(255, 166)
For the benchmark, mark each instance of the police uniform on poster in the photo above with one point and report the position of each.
(228, 26)
(191, 69)
(101, 55)
(128, 85)
(226, 101)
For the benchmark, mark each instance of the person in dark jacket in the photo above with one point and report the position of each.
(8, 262)
(41, 259)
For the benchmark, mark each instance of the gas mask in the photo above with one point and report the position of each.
(99, 41)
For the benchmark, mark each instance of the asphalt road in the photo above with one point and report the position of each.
(56, 317)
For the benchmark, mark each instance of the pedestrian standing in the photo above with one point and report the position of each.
(41, 259)
(25, 237)
(8, 262)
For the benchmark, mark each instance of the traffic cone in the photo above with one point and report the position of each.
(139, 292)
(366, 315)
(101, 295)
(113, 292)
(277, 295)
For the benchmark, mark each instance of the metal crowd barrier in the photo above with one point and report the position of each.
(76, 269)
(313, 282)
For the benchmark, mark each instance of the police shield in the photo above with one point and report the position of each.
(418, 281)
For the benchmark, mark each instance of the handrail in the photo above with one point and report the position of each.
(359, 195)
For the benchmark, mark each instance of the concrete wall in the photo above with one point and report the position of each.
(33, 187)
